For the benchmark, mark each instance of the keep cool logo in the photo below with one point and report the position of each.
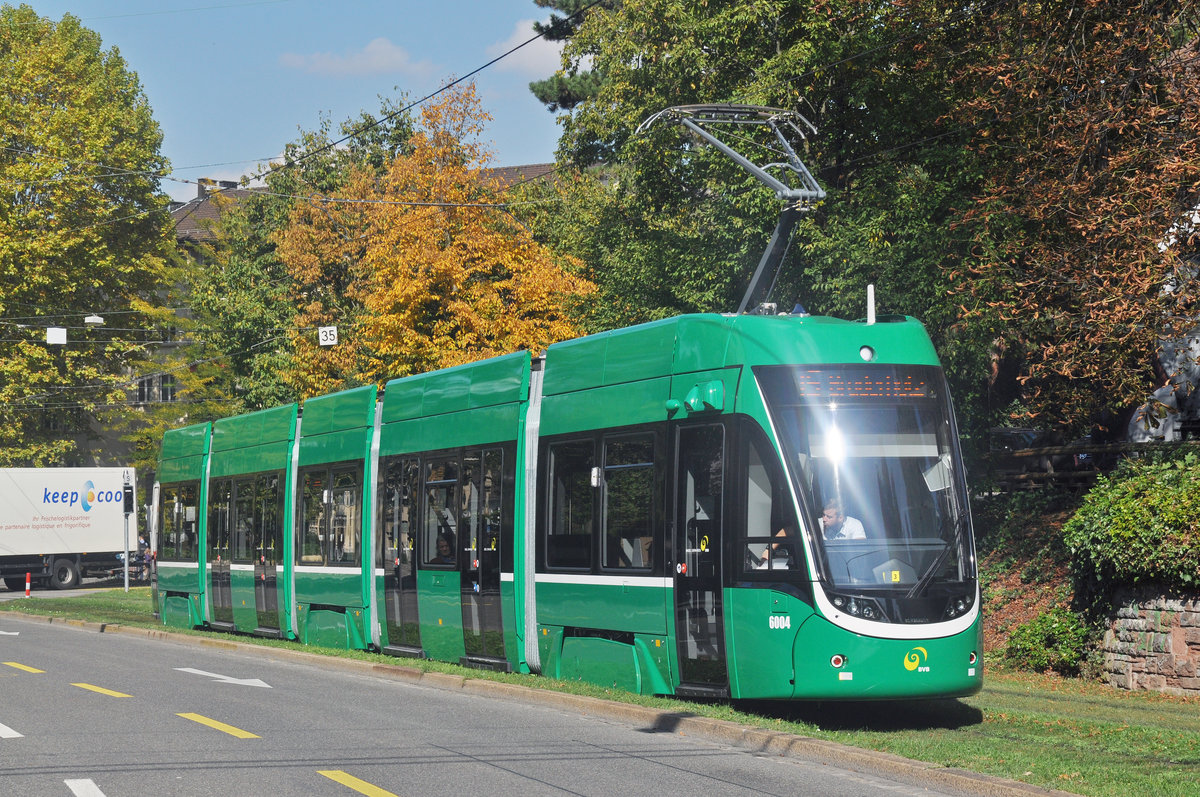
(87, 498)
(915, 660)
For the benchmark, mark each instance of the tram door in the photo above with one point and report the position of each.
(397, 554)
(268, 545)
(482, 479)
(218, 552)
(699, 512)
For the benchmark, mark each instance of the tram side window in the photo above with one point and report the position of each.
(397, 488)
(492, 500)
(628, 497)
(177, 522)
(471, 508)
(345, 519)
(440, 532)
(768, 511)
(481, 503)
(312, 517)
(572, 505)
(268, 516)
(701, 484)
(243, 520)
(330, 516)
(219, 505)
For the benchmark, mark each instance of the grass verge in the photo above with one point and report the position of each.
(1066, 734)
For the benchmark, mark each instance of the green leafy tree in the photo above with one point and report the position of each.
(247, 299)
(1006, 172)
(568, 87)
(83, 229)
(179, 383)
(666, 225)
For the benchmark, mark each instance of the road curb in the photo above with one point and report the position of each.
(758, 740)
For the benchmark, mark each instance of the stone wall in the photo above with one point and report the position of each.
(1153, 642)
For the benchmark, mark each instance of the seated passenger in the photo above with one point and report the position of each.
(445, 550)
(836, 525)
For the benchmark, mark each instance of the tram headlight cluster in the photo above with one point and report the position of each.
(959, 605)
(858, 606)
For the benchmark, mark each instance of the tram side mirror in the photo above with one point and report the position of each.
(706, 396)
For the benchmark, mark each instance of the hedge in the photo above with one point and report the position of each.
(1140, 525)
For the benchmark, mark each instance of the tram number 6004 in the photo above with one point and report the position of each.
(780, 621)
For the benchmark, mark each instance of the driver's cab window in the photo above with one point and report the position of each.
(771, 532)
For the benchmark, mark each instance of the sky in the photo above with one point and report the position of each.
(231, 82)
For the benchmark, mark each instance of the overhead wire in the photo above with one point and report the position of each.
(357, 131)
(291, 163)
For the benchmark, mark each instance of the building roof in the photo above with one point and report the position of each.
(510, 176)
(194, 218)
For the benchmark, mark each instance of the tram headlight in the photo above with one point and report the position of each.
(858, 606)
(959, 605)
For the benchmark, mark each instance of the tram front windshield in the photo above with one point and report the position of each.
(872, 454)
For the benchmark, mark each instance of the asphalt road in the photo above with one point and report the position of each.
(150, 713)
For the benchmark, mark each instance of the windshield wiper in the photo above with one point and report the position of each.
(927, 577)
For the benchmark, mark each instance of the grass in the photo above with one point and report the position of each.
(1067, 734)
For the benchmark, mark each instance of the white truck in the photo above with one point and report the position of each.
(60, 524)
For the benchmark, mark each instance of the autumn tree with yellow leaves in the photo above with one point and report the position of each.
(423, 268)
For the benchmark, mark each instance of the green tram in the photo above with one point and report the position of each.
(713, 505)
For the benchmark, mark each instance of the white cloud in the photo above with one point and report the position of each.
(379, 57)
(538, 59)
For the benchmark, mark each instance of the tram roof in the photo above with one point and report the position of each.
(706, 342)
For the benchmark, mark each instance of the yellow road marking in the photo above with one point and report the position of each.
(102, 690)
(351, 782)
(229, 729)
(23, 667)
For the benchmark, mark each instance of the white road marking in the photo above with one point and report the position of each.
(84, 788)
(226, 679)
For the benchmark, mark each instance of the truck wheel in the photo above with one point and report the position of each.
(64, 574)
(15, 583)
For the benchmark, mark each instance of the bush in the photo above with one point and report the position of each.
(1054, 640)
(1139, 525)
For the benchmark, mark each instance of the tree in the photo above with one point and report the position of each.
(421, 269)
(83, 229)
(566, 88)
(244, 294)
(673, 226)
(1088, 125)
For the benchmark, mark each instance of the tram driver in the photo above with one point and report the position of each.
(837, 525)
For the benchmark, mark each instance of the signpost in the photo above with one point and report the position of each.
(128, 511)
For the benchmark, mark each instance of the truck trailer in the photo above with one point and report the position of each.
(61, 524)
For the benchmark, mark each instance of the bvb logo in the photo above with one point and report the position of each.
(915, 658)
